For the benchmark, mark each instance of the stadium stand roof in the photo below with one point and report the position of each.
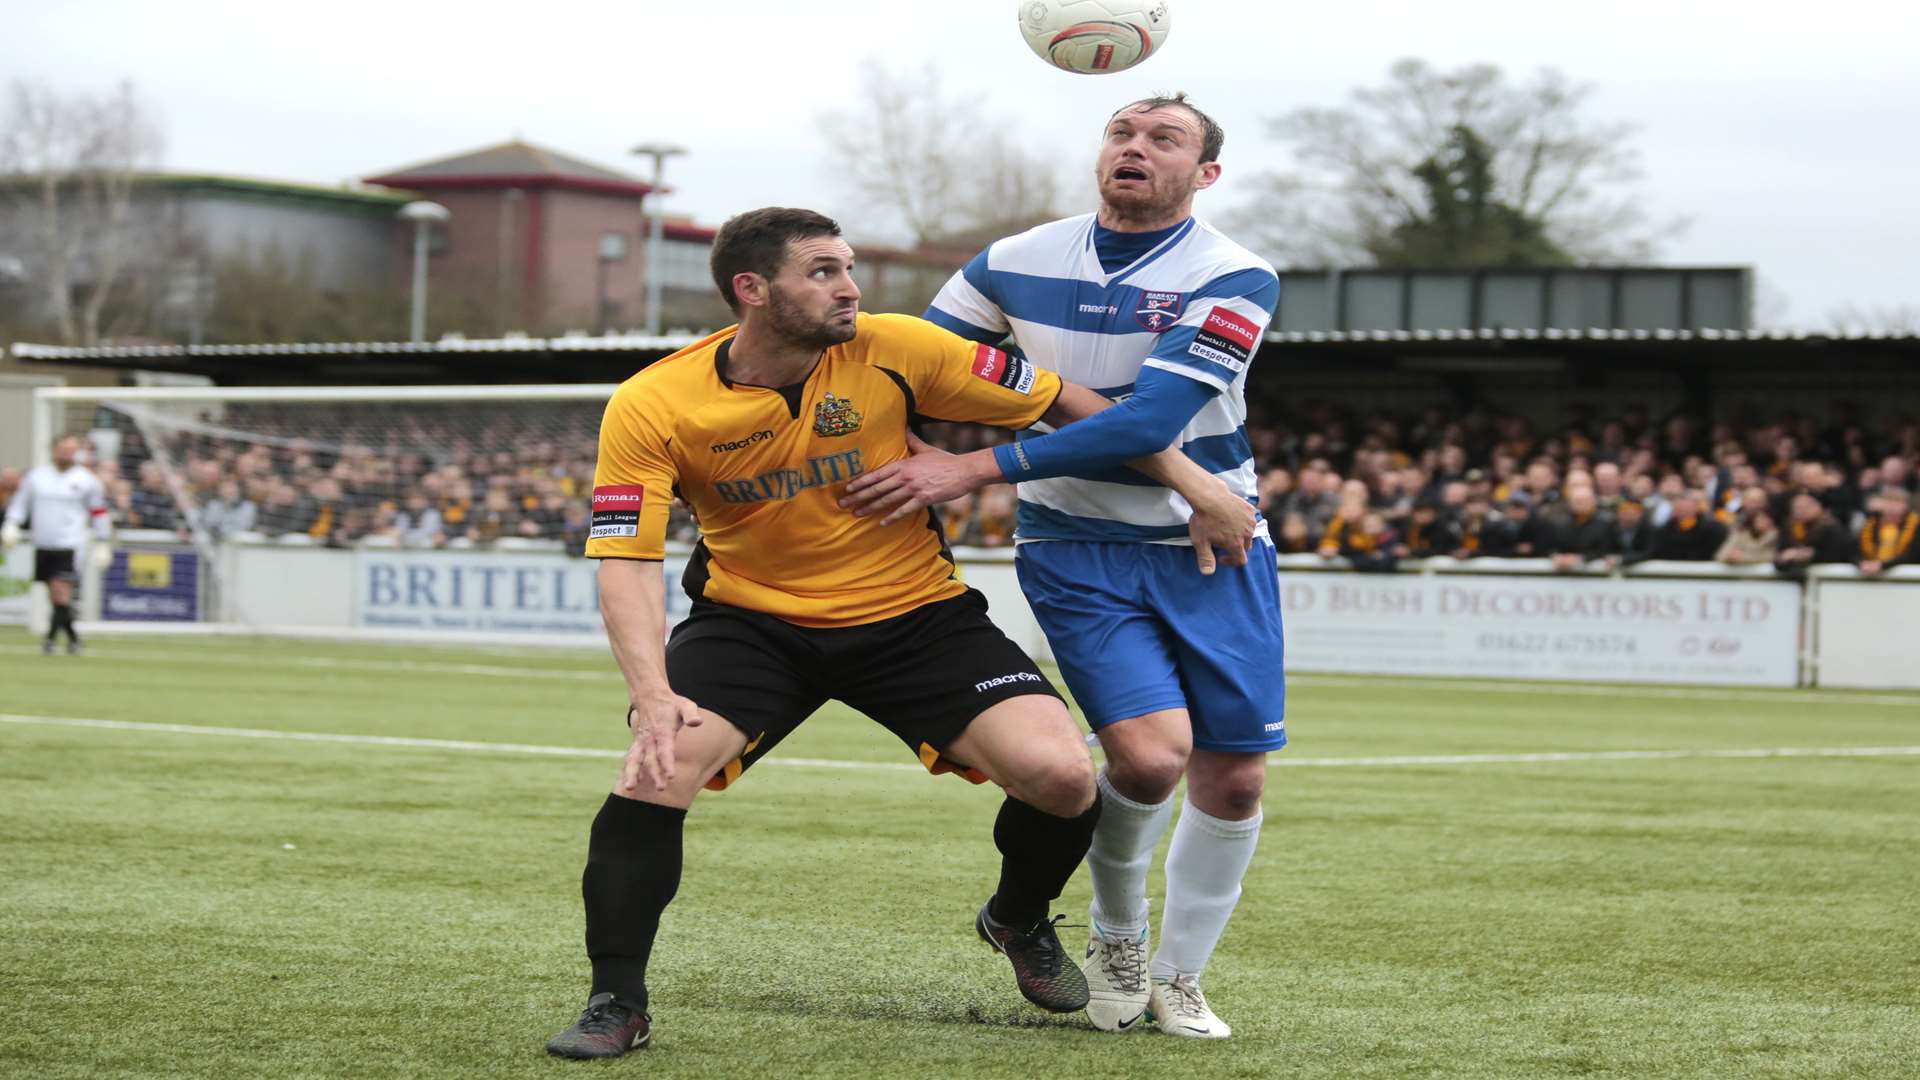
(357, 196)
(375, 199)
(582, 358)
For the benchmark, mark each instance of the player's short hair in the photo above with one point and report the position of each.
(1211, 137)
(756, 242)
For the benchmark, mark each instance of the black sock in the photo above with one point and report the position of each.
(1039, 852)
(62, 620)
(633, 870)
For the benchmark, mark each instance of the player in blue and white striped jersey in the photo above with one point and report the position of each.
(1178, 670)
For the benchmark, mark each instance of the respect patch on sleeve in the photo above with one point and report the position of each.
(1227, 338)
(616, 511)
(1004, 369)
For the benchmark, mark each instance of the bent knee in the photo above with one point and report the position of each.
(1232, 794)
(1062, 785)
(1147, 777)
(1238, 802)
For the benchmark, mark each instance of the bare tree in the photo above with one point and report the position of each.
(69, 163)
(1455, 167)
(1771, 306)
(940, 166)
(1879, 319)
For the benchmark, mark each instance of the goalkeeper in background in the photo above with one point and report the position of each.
(62, 500)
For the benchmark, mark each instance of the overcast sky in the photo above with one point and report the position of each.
(1784, 133)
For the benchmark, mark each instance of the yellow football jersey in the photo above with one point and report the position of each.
(763, 469)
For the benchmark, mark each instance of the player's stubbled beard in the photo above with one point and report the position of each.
(790, 320)
(1165, 193)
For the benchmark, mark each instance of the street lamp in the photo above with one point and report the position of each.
(424, 215)
(659, 152)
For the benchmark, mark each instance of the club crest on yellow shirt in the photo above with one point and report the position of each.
(835, 416)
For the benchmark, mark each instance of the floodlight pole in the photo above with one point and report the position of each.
(423, 214)
(659, 152)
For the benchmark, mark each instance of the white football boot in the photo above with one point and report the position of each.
(1180, 1008)
(1116, 970)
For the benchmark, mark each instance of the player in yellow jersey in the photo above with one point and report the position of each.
(796, 601)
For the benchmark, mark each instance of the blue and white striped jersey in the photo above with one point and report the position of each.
(1196, 305)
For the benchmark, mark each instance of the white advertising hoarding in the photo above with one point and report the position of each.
(479, 592)
(1866, 633)
(16, 584)
(1743, 633)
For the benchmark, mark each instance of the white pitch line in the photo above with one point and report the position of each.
(828, 763)
(418, 667)
(1460, 686)
(397, 740)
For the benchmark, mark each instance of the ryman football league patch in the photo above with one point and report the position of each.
(1226, 338)
(1003, 369)
(616, 511)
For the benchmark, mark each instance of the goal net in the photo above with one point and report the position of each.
(429, 508)
(349, 466)
(203, 471)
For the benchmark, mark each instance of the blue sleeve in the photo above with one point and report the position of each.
(1162, 405)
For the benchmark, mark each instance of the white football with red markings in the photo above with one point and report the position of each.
(1094, 37)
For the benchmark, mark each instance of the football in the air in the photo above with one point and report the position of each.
(1094, 37)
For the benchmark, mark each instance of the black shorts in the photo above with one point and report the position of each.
(923, 676)
(51, 564)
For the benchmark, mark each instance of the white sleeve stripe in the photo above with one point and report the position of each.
(1196, 313)
(962, 301)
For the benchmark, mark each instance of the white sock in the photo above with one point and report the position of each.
(1208, 859)
(1122, 853)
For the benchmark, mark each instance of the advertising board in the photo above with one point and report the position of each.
(500, 592)
(1737, 633)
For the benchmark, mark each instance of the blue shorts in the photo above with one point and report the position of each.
(1137, 628)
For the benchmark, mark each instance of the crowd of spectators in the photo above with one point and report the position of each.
(431, 475)
(1597, 493)
(1370, 489)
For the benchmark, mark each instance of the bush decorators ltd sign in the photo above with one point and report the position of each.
(1742, 633)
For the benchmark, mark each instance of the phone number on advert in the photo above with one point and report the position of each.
(1587, 644)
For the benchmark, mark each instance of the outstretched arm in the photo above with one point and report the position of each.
(1221, 518)
(1136, 432)
(1111, 434)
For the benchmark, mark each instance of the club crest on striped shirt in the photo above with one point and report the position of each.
(1158, 310)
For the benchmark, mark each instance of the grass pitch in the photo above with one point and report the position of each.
(191, 904)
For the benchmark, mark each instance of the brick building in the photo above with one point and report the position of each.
(543, 241)
(538, 241)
